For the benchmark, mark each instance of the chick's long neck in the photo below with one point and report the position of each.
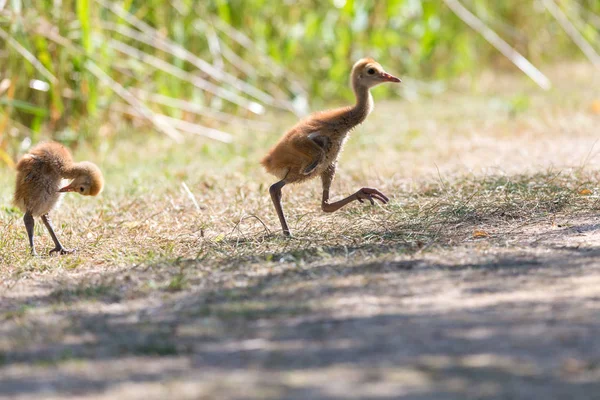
(363, 107)
(72, 171)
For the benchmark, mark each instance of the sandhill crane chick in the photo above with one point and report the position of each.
(38, 187)
(312, 147)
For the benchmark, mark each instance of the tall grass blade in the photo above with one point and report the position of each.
(197, 81)
(197, 129)
(133, 101)
(83, 14)
(214, 46)
(185, 105)
(25, 106)
(183, 54)
(28, 56)
(184, 126)
(248, 44)
(595, 18)
(151, 37)
(573, 33)
(513, 55)
(236, 61)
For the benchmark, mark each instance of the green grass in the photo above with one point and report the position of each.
(250, 54)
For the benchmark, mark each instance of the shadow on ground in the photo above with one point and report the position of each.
(518, 324)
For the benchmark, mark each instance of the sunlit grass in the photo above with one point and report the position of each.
(446, 176)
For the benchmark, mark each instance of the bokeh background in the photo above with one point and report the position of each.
(85, 70)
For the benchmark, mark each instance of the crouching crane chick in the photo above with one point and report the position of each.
(311, 148)
(38, 188)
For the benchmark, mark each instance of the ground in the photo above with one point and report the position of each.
(480, 279)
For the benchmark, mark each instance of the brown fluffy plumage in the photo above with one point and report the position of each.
(38, 185)
(312, 147)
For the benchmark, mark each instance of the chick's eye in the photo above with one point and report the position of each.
(81, 189)
(371, 71)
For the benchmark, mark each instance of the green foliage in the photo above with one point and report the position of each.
(282, 52)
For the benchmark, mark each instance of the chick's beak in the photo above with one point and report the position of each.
(389, 78)
(68, 188)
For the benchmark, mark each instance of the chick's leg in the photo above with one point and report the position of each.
(361, 195)
(275, 191)
(29, 224)
(58, 247)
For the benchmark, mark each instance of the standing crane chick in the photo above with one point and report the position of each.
(311, 148)
(38, 188)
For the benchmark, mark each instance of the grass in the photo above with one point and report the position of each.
(167, 282)
(85, 292)
(145, 216)
(213, 66)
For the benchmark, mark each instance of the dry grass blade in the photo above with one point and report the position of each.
(191, 196)
(197, 81)
(214, 46)
(197, 129)
(248, 44)
(198, 109)
(135, 95)
(249, 70)
(181, 125)
(46, 29)
(133, 101)
(492, 37)
(150, 36)
(28, 56)
(594, 18)
(573, 33)
(236, 61)
(202, 65)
